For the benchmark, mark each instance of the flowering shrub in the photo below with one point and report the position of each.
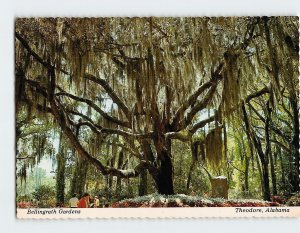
(24, 204)
(279, 199)
(181, 200)
(294, 200)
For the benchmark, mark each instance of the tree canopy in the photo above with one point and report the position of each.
(129, 93)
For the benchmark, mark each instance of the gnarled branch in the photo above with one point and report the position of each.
(199, 105)
(105, 170)
(272, 126)
(35, 55)
(100, 130)
(193, 98)
(182, 136)
(201, 124)
(111, 93)
(96, 108)
(265, 90)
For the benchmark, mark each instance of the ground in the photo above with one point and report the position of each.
(181, 200)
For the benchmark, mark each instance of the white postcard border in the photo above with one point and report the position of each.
(153, 213)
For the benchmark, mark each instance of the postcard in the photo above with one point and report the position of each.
(157, 117)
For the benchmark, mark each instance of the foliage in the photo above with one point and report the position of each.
(294, 200)
(44, 193)
(23, 198)
(36, 177)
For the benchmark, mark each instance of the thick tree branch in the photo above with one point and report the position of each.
(287, 124)
(60, 116)
(257, 94)
(276, 130)
(96, 108)
(131, 150)
(249, 35)
(26, 157)
(193, 98)
(199, 105)
(100, 130)
(182, 136)
(263, 91)
(281, 145)
(105, 170)
(251, 135)
(35, 55)
(201, 124)
(80, 114)
(151, 21)
(31, 52)
(286, 110)
(38, 88)
(111, 93)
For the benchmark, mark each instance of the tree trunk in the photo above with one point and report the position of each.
(282, 170)
(79, 177)
(247, 160)
(260, 174)
(148, 156)
(60, 178)
(180, 172)
(143, 184)
(188, 183)
(114, 152)
(164, 179)
(295, 142)
(142, 188)
(119, 183)
(262, 156)
(266, 181)
(273, 174)
(60, 174)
